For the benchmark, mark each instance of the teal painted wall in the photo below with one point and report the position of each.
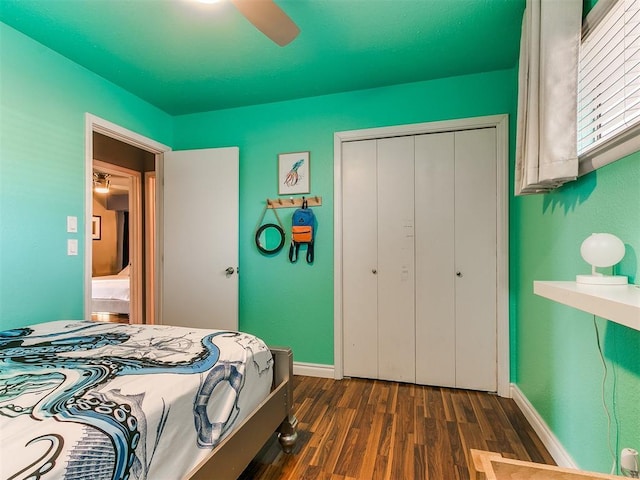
(555, 361)
(558, 365)
(293, 304)
(555, 357)
(43, 100)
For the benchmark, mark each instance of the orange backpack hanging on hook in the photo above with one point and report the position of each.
(303, 225)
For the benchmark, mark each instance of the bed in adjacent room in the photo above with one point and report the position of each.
(110, 293)
(96, 400)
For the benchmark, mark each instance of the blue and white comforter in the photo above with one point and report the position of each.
(95, 400)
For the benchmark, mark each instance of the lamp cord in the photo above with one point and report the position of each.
(604, 402)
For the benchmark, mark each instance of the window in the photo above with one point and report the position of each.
(609, 84)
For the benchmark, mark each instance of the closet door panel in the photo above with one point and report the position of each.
(396, 270)
(435, 275)
(475, 247)
(359, 251)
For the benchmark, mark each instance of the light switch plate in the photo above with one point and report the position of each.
(72, 224)
(72, 246)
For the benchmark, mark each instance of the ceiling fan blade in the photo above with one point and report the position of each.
(269, 18)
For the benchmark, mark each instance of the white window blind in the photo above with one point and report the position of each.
(609, 78)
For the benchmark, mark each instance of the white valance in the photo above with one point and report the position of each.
(546, 139)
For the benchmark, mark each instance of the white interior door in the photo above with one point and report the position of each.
(435, 260)
(200, 238)
(360, 257)
(420, 212)
(476, 259)
(396, 266)
(456, 262)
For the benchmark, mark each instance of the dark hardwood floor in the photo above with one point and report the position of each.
(365, 429)
(110, 317)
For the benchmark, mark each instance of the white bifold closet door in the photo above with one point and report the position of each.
(435, 260)
(396, 269)
(360, 259)
(419, 259)
(456, 259)
(378, 259)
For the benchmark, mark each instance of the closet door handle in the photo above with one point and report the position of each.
(459, 274)
(374, 271)
(229, 271)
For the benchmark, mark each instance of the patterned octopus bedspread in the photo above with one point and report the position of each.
(92, 400)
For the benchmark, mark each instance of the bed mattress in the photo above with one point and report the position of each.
(112, 287)
(97, 400)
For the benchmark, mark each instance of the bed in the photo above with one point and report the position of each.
(96, 400)
(110, 293)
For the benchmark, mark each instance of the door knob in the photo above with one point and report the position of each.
(229, 271)
(374, 271)
(459, 274)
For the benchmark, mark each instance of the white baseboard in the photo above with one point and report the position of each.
(557, 451)
(313, 370)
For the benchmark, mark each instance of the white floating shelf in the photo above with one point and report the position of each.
(618, 303)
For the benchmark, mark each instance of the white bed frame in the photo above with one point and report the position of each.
(275, 414)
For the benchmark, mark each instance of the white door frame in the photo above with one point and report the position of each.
(150, 241)
(501, 124)
(109, 129)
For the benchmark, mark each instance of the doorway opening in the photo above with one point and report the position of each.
(116, 218)
(121, 241)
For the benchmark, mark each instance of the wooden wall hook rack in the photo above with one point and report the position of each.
(314, 201)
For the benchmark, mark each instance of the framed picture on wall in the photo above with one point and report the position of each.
(293, 173)
(96, 227)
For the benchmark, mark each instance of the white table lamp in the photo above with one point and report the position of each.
(602, 250)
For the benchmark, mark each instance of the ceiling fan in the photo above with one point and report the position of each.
(270, 19)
